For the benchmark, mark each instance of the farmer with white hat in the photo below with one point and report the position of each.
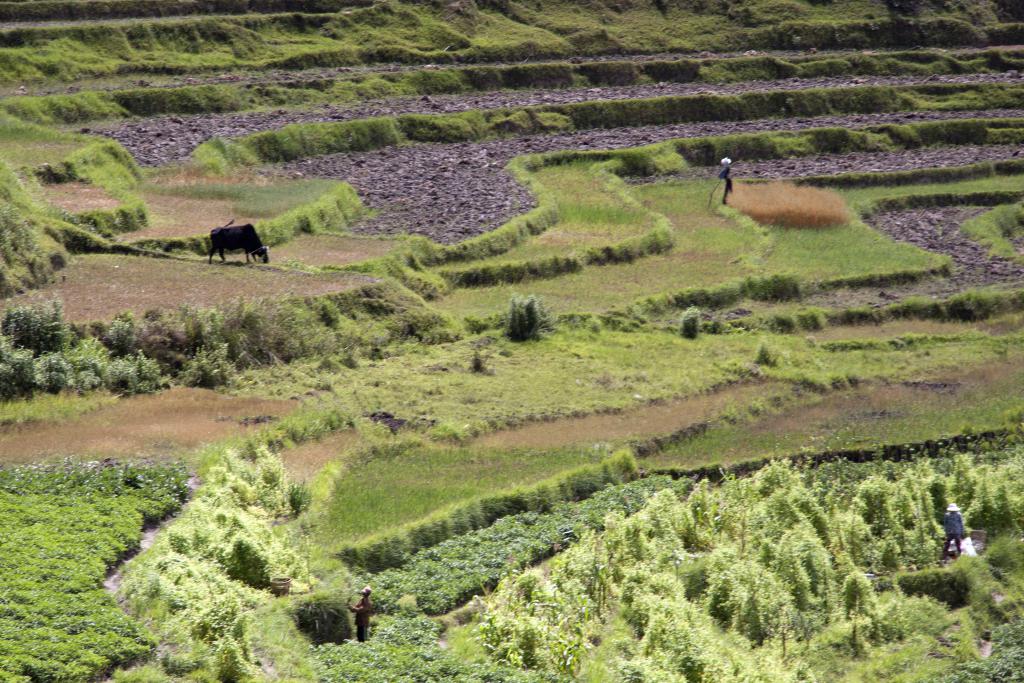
(363, 609)
(724, 175)
(953, 524)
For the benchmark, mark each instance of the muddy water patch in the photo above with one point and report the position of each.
(654, 419)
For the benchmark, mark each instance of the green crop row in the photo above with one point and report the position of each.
(197, 99)
(63, 527)
(445, 576)
(395, 548)
(298, 141)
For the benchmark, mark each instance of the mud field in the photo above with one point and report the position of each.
(164, 139)
(854, 162)
(451, 192)
(938, 230)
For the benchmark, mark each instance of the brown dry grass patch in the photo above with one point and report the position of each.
(789, 205)
(79, 197)
(332, 250)
(98, 287)
(174, 216)
(161, 425)
(651, 420)
(303, 462)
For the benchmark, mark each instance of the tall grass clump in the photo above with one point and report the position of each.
(527, 319)
(790, 206)
(689, 325)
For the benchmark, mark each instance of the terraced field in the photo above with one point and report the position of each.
(513, 361)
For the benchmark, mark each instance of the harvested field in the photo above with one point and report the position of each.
(98, 287)
(332, 250)
(938, 230)
(450, 192)
(790, 206)
(164, 425)
(656, 419)
(164, 139)
(78, 197)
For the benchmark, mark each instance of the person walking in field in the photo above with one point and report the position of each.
(724, 174)
(953, 524)
(363, 609)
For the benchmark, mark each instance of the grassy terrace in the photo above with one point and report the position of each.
(390, 411)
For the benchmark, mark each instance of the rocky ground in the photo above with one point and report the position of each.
(862, 162)
(165, 139)
(938, 230)
(451, 192)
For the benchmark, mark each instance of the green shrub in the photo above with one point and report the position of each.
(689, 325)
(17, 371)
(120, 337)
(299, 498)
(323, 617)
(949, 586)
(766, 356)
(53, 373)
(133, 375)
(209, 368)
(40, 329)
(527, 319)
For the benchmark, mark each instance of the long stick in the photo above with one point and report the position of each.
(712, 195)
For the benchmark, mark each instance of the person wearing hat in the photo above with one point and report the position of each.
(363, 609)
(953, 524)
(724, 174)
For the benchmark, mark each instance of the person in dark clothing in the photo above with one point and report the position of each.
(363, 609)
(724, 174)
(953, 524)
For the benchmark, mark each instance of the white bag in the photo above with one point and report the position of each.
(967, 546)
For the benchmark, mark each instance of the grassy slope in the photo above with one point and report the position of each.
(711, 248)
(404, 32)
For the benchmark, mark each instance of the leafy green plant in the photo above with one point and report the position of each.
(689, 324)
(63, 526)
(527, 318)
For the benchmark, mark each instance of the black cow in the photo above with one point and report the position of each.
(242, 237)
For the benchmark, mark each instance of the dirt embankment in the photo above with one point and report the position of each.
(451, 192)
(161, 140)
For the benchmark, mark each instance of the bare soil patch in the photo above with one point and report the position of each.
(79, 197)
(332, 250)
(938, 230)
(161, 425)
(859, 162)
(656, 419)
(164, 139)
(451, 192)
(174, 216)
(98, 287)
